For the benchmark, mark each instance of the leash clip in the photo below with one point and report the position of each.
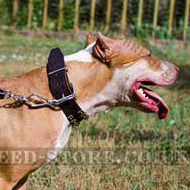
(57, 102)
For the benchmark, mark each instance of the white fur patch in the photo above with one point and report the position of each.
(61, 141)
(84, 55)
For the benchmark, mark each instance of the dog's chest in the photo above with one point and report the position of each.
(61, 140)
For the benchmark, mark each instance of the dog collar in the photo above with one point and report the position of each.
(62, 89)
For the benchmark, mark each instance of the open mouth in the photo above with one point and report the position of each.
(148, 100)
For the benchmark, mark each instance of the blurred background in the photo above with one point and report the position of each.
(30, 28)
(160, 18)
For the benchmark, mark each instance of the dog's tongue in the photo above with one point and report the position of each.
(163, 108)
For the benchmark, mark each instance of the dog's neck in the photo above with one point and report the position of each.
(92, 81)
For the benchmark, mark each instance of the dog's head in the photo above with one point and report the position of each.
(133, 67)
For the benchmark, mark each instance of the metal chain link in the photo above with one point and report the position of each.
(31, 101)
(19, 99)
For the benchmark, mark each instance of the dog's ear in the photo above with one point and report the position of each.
(118, 52)
(90, 39)
(102, 48)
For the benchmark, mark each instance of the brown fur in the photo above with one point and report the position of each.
(122, 52)
(90, 39)
(21, 127)
(90, 78)
(154, 63)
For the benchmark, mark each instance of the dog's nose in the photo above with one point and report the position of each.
(173, 68)
(171, 72)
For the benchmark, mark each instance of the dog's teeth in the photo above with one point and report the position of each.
(140, 91)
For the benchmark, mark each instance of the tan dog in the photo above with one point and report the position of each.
(107, 73)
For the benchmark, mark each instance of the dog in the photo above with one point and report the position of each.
(106, 73)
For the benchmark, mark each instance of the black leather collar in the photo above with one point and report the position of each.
(62, 89)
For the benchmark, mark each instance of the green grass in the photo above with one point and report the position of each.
(29, 52)
(131, 135)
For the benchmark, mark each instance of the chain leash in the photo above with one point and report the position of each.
(34, 100)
